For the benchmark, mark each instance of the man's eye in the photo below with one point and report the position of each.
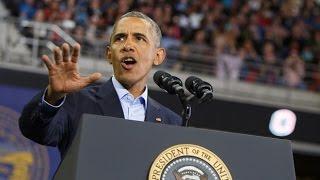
(140, 38)
(119, 39)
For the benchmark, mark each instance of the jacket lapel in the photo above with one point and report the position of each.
(108, 100)
(110, 105)
(153, 113)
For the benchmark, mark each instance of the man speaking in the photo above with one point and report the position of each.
(52, 116)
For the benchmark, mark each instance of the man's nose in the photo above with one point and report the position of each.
(128, 45)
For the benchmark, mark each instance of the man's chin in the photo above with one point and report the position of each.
(126, 80)
(129, 80)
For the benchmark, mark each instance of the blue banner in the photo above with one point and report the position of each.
(21, 158)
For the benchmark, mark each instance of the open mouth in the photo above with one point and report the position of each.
(128, 62)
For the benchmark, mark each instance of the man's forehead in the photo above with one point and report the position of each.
(133, 24)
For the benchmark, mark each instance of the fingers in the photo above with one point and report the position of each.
(47, 62)
(57, 55)
(65, 52)
(75, 53)
(62, 55)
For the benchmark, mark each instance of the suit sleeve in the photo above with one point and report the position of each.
(43, 126)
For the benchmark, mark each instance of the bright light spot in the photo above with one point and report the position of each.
(282, 122)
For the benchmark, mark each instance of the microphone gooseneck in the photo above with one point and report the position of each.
(173, 85)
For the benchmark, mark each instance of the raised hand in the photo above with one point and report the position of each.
(64, 75)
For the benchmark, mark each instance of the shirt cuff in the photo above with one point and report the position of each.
(50, 108)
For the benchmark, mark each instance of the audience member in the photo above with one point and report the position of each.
(294, 71)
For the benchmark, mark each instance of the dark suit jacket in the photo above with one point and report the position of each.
(59, 128)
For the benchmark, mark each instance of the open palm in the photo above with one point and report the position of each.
(64, 76)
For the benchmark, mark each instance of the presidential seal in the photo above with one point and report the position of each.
(20, 158)
(188, 162)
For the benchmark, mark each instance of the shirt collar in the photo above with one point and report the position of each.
(122, 91)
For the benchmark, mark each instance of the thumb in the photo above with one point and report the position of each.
(92, 78)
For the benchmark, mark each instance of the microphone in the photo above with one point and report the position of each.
(171, 84)
(201, 89)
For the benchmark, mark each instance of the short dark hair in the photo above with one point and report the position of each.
(155, 28)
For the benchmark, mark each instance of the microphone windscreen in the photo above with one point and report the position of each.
(159, 76)
(191, 83)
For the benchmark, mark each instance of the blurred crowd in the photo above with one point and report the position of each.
(275, 42)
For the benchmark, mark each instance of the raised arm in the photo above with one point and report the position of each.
(49, 124)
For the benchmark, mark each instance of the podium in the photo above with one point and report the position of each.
(117, 149)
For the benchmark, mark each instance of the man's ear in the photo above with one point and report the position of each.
(160, 56)
(108, 54)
